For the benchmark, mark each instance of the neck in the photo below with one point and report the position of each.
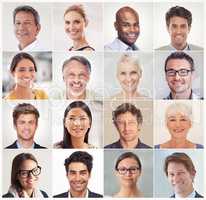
(129, 144)
(23, 45)
(131, 94)
(23, 92)
(78, 193)
(129, 191)
(26, 144)
(78, 143)
(29, 192)
(187, 192)
(183, 95)
(77, 44)
(180, 47)
(180, 143)
(71, 96)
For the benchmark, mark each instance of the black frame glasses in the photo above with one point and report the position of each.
(131, 170)
(25, 173)
(181, 72)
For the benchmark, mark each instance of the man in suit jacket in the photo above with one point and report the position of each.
(180, 172)
(78, 168)
(25, 121)
(179, 21)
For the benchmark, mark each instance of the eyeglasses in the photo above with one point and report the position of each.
(25, 173)
(181, 72)
(131, 170)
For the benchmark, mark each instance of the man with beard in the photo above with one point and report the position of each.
(180, 172)
(78, 171)
(179, 21)
(179, 72)
(25, 120)
(128, 29)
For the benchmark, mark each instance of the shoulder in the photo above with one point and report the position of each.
(142, 145)
(197, 195)
(40, 94)
(88, 48)
(93, 194)
(166, 47)
(10, 96)
(113, 145)
(91, 146)
(62, 195)
(58, 145)
(199, 146)
(195, 47)
(12, 146)
(37, 146)
(157, 146)
(44, 193)
(8, 195)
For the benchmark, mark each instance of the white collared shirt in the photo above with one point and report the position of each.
(86, 196)
(191, 195)
(20, 147)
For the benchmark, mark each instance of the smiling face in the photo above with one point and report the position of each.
(77, 123)
(129, 76)
(24, 73)
(76, 77)
(25, 28)
(178, 30)
(127, 26)
(74, 25)
(180, 178)
(132, 172)
(179, 84)
(26, 126)
(78, 177)
(178, 125)
(30, 181)
(128, 127)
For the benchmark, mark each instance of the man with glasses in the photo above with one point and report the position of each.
(179, 72)
(128, 121)
(78, 168)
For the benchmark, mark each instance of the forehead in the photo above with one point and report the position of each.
(176, 166)
(128, 162)
(25, 63)
(26, 117)
(126, 116)
(127, 67)
(178, 20)
(77, 112)
(127, 15)
(28, 164)
(72, 15)
(22, 15)
(77, 166)
(75, 67)
(178, 64)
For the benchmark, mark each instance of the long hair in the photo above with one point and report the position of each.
(67, 143)
(16, 164)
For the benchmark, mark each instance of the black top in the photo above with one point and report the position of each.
(91, 195)
(14, 146)
(82, 48)
(10, 195)
(117, 145)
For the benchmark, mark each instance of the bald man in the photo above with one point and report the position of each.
(127, 27)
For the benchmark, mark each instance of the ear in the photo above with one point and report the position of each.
(38, 29)
(86, 22)
(116, 26)
(189, 28)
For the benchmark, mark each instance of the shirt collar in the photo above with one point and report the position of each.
(30, 46)
(20, 147)
(191, 195)
(185, 49)
(86, 196)
(125, 46)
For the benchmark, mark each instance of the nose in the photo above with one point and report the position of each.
(177, 76)
(77, 177)
(77, 122)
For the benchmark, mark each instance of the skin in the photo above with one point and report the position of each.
(78, 177)
(128, 76)
(127, 27)
(181, 87)
(26, 126)
(25, 28)
(29, 183)
(178, 30)
(128, 129)
(77, 123)
(180, 178)
(76, 77)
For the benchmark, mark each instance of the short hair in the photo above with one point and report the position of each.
(79, 157)
(27, 9)
(79, 59)
(24, 108)
(179, 157)
(127, 58)
(20, 56)
(182, 108)
(180, 55)
(179, 12)
(79, 8)
(125, 9)
(128, 155)
(127, 107)
(16, 165)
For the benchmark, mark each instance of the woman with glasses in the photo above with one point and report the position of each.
(77, 124)
(128, 169)
(178, 119)
(23, 70)
(24, 178)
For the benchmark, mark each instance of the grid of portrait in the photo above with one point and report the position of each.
(102, 99)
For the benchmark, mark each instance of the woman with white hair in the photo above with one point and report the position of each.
(128, 73)
(178, 119)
